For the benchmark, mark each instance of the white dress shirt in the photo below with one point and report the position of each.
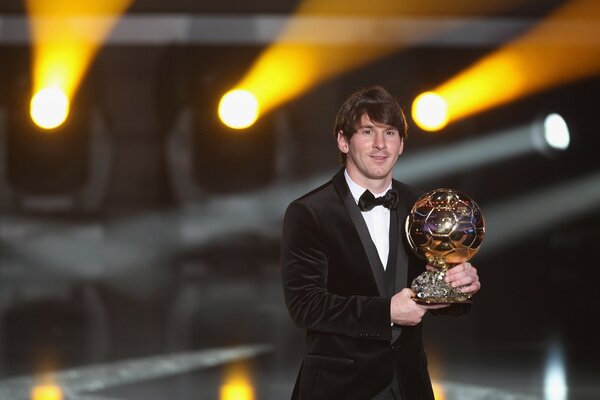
(377, 220)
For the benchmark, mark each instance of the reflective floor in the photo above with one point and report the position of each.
(219, 331)
(100, 343)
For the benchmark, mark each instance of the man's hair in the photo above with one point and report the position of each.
(378, 104)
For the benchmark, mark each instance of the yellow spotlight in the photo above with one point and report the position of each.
(238, 109)
(557, 51)
(324, 39)
(46, 392)
(438, 391)
(237, 384)
(430, 111)
(237, 391)
(49, 108)
(66, 35)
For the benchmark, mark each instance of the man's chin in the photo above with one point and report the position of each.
(376, 175)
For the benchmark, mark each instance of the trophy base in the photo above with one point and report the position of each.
(440, 301)
(430, 288)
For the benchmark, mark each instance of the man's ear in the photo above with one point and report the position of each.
(342, 142)
(401, 147)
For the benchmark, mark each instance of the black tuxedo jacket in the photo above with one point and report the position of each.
(334, 287)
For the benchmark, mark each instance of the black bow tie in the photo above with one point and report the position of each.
(367, 201)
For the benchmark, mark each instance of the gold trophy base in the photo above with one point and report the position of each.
(430, 288)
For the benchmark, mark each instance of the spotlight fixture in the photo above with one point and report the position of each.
(430, 111)
(238, 109)
(49, 108)
(556, 132)
(550, 134)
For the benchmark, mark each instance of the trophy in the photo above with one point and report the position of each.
(446, 228)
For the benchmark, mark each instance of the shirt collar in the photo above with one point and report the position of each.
(358, 190)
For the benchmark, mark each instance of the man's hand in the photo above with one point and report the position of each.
(464, 276)
(405, 311)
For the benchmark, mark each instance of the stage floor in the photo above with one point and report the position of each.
(198, 331)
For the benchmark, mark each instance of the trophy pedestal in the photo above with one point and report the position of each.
(431, 288)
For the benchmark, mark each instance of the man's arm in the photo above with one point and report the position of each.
(305, 263)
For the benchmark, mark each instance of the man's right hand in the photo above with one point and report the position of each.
(405, 311)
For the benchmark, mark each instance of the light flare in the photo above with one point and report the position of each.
(309, 51)
(555, 374)
(430, 111)
(49, 108)
(47, 392)
(438, 391)
(556, 132)
(238, 109)
(559, 50)
(238, 385)
(66, 36)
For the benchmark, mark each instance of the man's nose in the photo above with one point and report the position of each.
(379, 141)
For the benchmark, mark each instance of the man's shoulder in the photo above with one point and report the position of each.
(317, 195)
(325, 192)
(315, 203)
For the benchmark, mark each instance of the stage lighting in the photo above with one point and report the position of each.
(238, 109)
(63, 169)
(46, 392)
(64, 40)
(551, 134)
(49, 108)
(237, 385)
(438, 390)
(555, 374)
(39, 163)
(225, 162)
(430, 111)
(556, 51)
(556, 132)
(207, 152)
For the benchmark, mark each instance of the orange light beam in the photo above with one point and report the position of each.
(562, 48)
(66, 35)
(335, 36)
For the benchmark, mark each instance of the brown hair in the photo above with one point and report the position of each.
(378, 104)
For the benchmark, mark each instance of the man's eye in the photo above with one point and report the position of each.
(367, 132)
(391, 133)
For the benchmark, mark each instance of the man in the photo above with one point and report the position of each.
(346, 266)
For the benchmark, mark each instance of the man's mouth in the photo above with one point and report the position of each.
(379, 157)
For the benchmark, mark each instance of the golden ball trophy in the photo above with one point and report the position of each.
(445, 227)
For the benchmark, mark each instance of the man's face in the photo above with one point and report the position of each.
(371, 152)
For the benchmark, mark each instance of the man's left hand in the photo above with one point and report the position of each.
(464, 276)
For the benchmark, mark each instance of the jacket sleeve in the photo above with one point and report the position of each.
(305, 263)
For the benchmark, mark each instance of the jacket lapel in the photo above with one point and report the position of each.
(401, 254)
(339, 182)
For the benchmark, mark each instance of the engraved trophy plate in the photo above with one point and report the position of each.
(445, 227)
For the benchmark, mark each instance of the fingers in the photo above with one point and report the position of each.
(403, 310)
(435, 306)
(464, 276)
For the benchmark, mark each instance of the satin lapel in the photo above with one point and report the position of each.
(401, 255)
(361, 227)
